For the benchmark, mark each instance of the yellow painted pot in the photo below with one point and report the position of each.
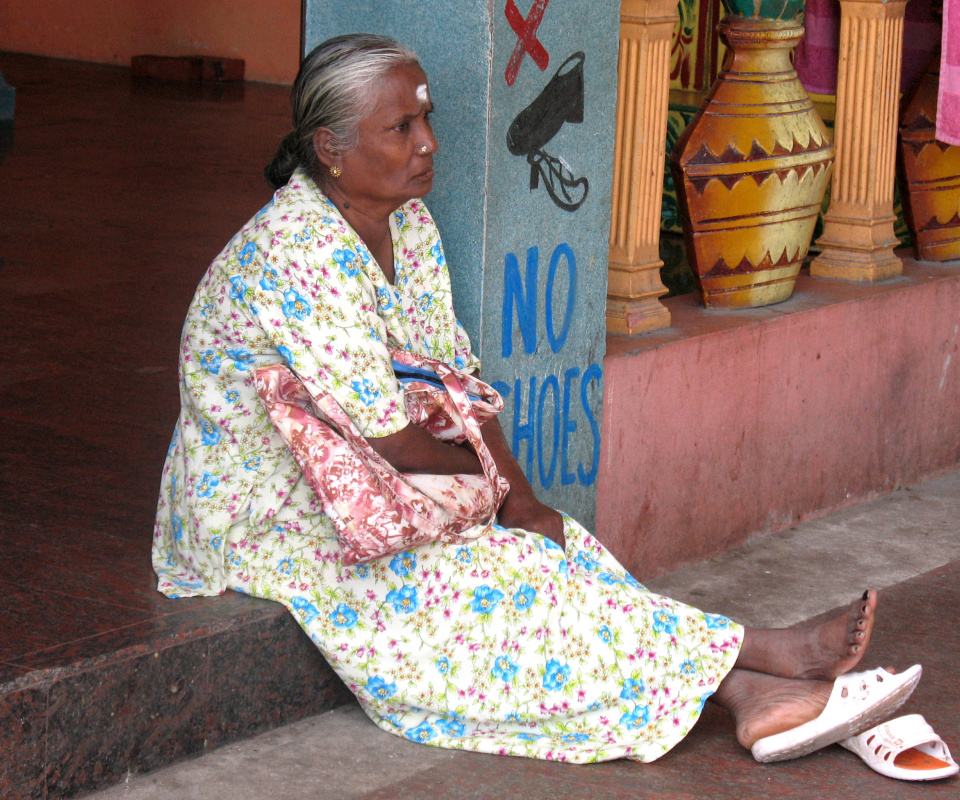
(751, 170)
(930, 174)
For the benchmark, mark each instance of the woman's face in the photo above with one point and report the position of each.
(393, 160)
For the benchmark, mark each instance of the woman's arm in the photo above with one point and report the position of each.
(413, 449)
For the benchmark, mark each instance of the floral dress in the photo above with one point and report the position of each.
(507, 645)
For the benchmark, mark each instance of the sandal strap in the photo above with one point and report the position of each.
(903, 733)
(856, 687)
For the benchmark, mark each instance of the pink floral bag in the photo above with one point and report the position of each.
(375, 509)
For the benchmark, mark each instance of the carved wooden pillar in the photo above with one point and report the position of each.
(858, 238)
(646, 28)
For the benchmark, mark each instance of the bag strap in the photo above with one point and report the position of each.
(460, 386)
(424, 368)
(469, 424)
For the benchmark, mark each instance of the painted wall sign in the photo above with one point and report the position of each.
(527, 41)
(560, 101)
(548, 411)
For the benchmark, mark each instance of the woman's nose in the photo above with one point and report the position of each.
(428, 143)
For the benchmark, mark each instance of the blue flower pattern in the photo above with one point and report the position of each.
(366, 391)
(295, 305)
(556, 676)
(380, 689)
(307, 610)
(247, 252)
(345, 259)
(524, 597)
(664, 621)
(637, 718)
(404, 600)
(504, 669)
(424, 732)
(404, 563)
(242, 359)
(209, 433)
(240, 288)
(451, 727)
(632, 689)
(207, 486)
(486, 599)
(210, 361)
(287, 356)
(268, 281)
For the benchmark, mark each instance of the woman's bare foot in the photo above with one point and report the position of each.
(819, 651)
(764, 705)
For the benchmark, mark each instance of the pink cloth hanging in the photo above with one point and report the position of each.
(948, 102)
(817, 54)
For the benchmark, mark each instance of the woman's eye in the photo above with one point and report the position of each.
(402, 127)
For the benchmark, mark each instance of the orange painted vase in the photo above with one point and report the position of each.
(752, 167)
(929, 174)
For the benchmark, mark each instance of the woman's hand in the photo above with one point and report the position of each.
(532, 515)
(521, 509)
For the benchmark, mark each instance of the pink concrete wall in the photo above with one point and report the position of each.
(732, 425)
(265, 35)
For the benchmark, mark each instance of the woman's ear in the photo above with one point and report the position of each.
(322, 146)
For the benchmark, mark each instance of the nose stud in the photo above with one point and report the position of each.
(423, 149)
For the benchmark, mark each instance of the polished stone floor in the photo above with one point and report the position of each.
(114, 197)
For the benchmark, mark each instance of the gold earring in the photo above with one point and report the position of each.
(335, 171)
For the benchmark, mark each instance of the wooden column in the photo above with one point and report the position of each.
(858, 238)
(646, 29)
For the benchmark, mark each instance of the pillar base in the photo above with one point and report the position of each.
(843, 264)
(857, 250)
(632, 298)
(630, 317)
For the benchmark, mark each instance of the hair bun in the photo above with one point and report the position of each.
(284, 163)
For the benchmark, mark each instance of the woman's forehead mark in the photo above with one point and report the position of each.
(423, 94)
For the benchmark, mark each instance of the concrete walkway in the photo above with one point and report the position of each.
(906, 544)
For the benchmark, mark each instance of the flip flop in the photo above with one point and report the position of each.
(858, 701)
(906, 748)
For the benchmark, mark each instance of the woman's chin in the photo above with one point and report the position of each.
(424, 183)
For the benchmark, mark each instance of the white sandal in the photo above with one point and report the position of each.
(906, 748)
(858, 701)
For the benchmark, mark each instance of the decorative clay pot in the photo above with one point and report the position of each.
(930, 174)
(752, 167)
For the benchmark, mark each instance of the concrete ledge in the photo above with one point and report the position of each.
(228, 668)
(734, 424)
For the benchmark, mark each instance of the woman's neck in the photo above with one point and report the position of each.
(372, 225)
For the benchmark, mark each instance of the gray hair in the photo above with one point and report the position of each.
(334, 89)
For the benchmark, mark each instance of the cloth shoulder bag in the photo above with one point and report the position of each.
(376, 510)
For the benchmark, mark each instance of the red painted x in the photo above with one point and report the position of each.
(526, 30)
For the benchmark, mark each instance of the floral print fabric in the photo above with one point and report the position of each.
(506, 644)
(295, 286)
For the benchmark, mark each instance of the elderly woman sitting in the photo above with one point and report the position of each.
(530, 640)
